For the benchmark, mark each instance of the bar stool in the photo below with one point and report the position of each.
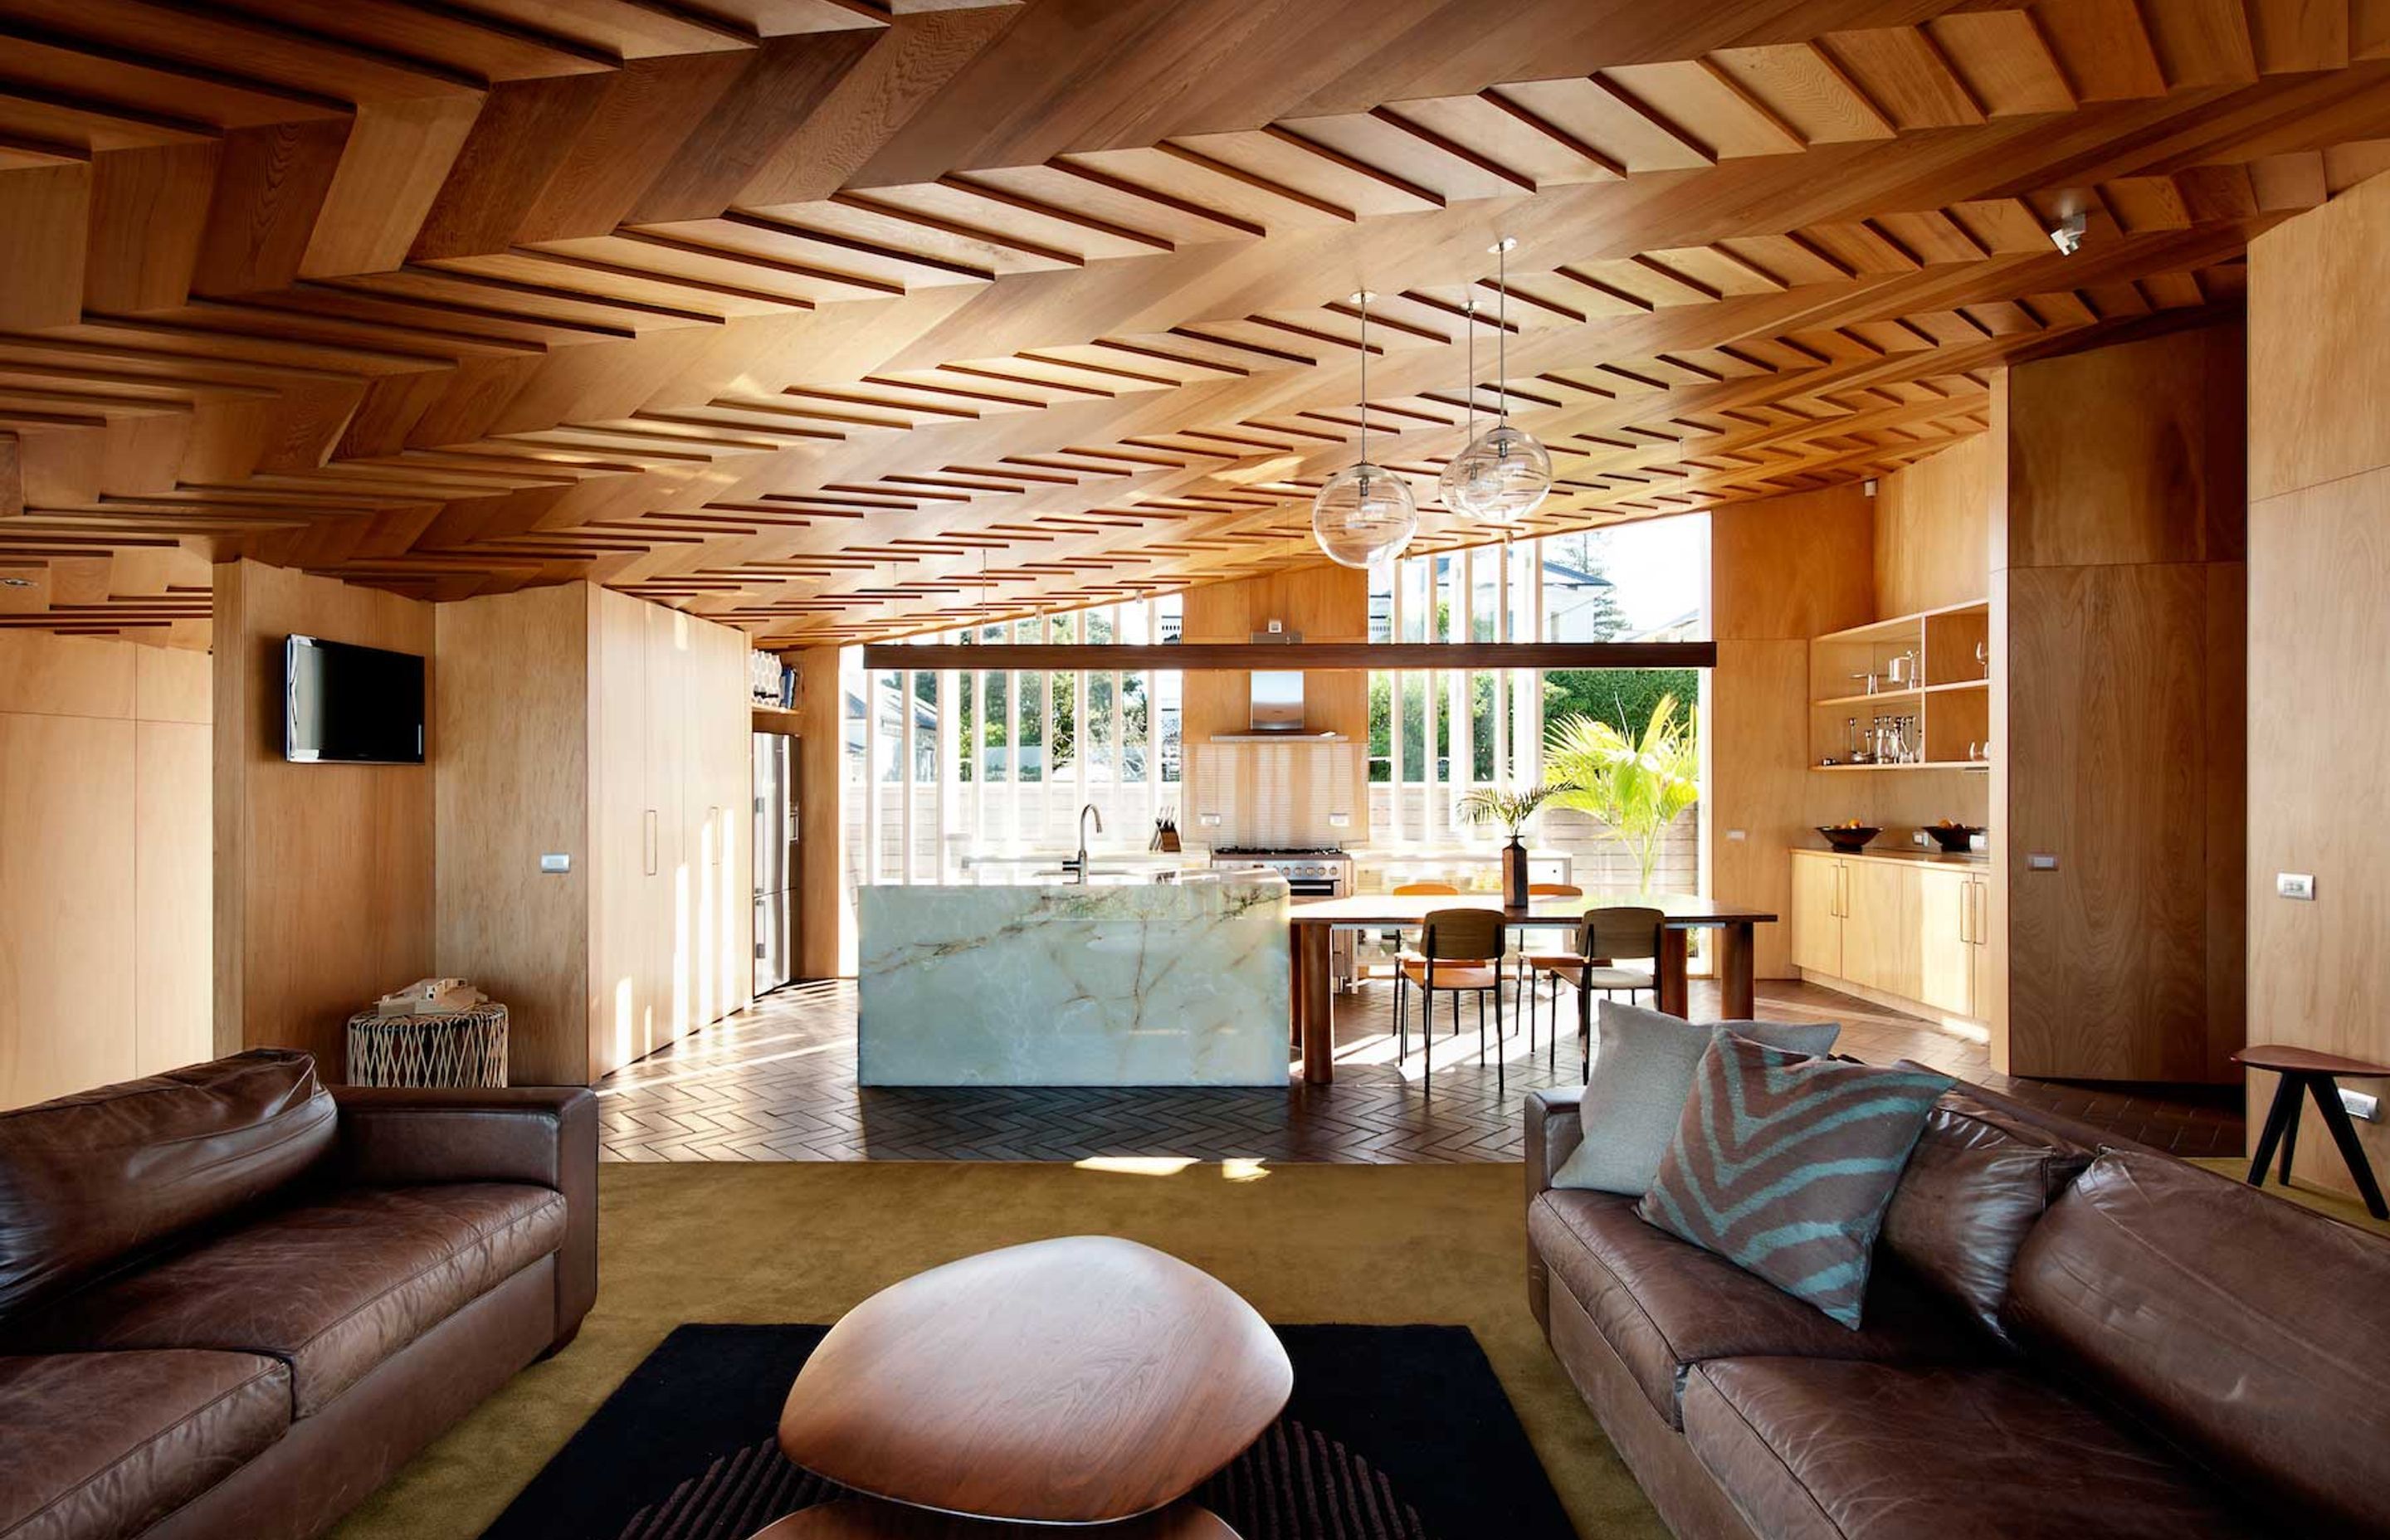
(1454, 949)
(1606, 934)
(2305, 1070)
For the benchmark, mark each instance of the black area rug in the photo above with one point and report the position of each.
(1393, 1433)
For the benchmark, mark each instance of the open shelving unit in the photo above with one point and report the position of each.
(772, 719)
(1951, 697)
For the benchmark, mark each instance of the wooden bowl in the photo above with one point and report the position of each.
(1850, 841)
(1954, 842)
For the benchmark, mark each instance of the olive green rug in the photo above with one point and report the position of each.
(805, 1242)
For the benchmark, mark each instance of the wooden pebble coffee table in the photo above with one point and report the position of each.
(1087, 1380)
(869, 1518)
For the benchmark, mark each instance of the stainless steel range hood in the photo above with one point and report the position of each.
(1276, 715)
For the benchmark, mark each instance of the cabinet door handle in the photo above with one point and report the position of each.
(1966, 913)
(1841, 891)
(648, 840)
(1983, 892)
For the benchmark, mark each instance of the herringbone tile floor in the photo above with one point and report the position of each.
(777, 1082)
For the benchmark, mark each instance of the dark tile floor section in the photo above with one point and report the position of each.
(777, 1082)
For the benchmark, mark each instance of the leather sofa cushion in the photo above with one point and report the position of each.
(2242, 1327)
(106, 1444)
(331, 1288)
(1665, 1305)
(90, 1181)
(1813, 1449)
(1977, 1181)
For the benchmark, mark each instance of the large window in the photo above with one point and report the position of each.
(1435, 733)
(967, 766)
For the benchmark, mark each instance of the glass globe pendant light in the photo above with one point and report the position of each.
(1365, 513)
(1504, 474)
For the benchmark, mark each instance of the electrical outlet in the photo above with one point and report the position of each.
(2041, 863)
(555, 863)
(1339, 820)
(2360, 1105)
(1737, 836)
(2298, 885)
(1208, 820)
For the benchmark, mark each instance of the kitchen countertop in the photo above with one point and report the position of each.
(1898, 857)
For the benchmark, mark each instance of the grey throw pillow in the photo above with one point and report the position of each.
(1643, 1065)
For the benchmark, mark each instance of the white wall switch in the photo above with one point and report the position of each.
(2298, 885)
(1208, 820)
(1339, 820)
(2041, 863)
(2360, 1105)
(1737, 836)
(555, 863)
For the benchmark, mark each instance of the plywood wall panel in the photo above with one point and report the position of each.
(1795, 566)
(2319, 619)
(512, 786)
(171, 928)
(1757, 784)
(1932, 531)
(65, 887)
(325, 877)
(2118, 709)
(2141, 432)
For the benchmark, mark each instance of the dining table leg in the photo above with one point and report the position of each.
(1735, 948)
(1676, 994)
(1314, 1003)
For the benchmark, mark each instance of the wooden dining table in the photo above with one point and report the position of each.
(1312, 922)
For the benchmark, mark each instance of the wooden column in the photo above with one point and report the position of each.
(822, 914)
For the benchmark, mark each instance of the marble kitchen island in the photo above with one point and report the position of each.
(1176, 983)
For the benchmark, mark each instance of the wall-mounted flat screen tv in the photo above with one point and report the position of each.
(344, 704)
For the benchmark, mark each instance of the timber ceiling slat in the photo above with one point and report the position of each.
(795, 314)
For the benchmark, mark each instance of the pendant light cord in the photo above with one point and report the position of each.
(1364, 298)
(1502, 320)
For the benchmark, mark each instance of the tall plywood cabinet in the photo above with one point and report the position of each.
(580, 724)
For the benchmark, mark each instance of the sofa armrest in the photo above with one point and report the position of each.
(1553, 1131)
(540, 1136)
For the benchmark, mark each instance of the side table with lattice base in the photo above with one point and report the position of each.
(442, 1047)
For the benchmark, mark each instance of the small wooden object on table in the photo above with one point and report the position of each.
(2303, 1070)
(435, 1032)
(1087, 1380)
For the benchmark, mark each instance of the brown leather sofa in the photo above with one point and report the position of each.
(233, 1301)
(2065, 1335)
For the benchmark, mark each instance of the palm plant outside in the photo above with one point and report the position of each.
(1636, 786)
(1510, 809)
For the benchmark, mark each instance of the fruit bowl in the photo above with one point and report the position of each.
(1954, 839)
(1850, 840)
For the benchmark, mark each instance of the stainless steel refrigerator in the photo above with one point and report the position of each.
(775, 859)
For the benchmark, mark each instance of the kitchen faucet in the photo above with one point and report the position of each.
(1078, 868)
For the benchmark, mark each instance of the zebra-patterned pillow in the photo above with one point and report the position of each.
(1784, 1166)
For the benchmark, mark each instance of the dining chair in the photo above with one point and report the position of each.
(1457, 953)
(1404, 950)
(1606, 934)
(1543, 949)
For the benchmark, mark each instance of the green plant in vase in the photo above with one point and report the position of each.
(1512, 809)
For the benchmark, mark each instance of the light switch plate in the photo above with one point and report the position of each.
(1339, 820)
(2298, 885)
(554, 862)
(2360, 1105)
(2041, 863)
(1208, 820)
(1737, 836)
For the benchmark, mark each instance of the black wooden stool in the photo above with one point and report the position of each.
(2303, 1069)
